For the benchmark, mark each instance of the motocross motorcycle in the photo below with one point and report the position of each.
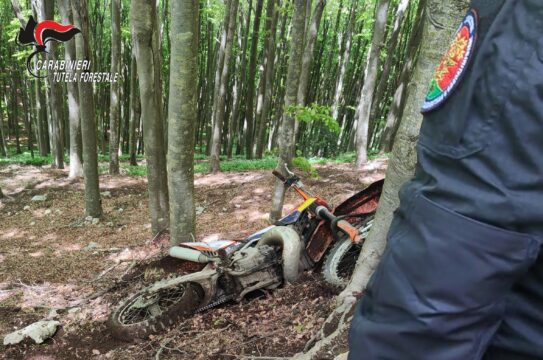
(314, 234)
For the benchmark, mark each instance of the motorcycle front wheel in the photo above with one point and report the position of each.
(148, 312)
(341, 260)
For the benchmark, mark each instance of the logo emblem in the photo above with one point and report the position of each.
(453, 65)
(39, 34)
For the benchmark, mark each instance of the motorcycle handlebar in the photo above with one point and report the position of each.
(343, 225)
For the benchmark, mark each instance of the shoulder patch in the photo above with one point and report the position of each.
(454, 63)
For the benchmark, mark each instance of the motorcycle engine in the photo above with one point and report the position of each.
(255, 268)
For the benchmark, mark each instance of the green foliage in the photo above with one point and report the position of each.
(303, 164)
(314, 113)
(136, 170)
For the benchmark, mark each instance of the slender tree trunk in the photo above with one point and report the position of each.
(370, 77)
(27, 113)
(144, 36)
(387, 67)
(286, 129)
(3, 146)
(343, 64)
(219, 111)
(399, 99)
(263, 111)
(46, 9)
(76, 166)
(135, 111)
(182, 112)
(243, 82)
(15, 111)
(17, 10)
(236, 93)
(308, 51)
(93, 206)
(114, 102)
(250, 97)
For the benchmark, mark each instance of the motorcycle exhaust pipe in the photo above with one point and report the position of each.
(183, 253)
(290, 242)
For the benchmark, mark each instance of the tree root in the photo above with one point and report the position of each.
(332, 335)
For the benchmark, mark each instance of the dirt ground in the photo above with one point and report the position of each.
(56, 265)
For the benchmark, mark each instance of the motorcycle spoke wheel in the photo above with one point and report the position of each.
(145, 312)
(341, 260)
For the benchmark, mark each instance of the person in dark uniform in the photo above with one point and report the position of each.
(462, 275)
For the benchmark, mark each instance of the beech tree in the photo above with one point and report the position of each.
(93, 204)
(76, 166)
(370, 78)
(286, 129)
(114, 102)
(143, 20)
(182, 112)
(219, 107)
(54, 90)
(250, 96)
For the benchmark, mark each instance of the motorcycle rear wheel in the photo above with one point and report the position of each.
(145, 313)
(341, 260)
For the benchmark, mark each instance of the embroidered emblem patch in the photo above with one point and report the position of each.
(453, 64)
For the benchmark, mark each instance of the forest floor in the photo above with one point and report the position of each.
(55, 265)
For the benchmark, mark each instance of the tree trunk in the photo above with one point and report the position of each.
(46, 9)
(265, 95)
(144, 34)
(135, 111)
(219, 111)
(4, 151)
(387, 67)
(286, 129)
(343, 64)
(76, 166)
(370, 77)
(439, 24)
(182, 112)
(236, 93)
(114, 102)
(93, 206)
(307, 58)
(398, 101)
(250, 97)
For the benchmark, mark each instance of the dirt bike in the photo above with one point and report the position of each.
(264, 260)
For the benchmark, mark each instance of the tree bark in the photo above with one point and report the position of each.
(219, 111)
(93, 206)
(398, 101)
(387, 67)
(144, 34)
(307, 58)
(114, 102)
(250, 97)
(76, 166)
(286, 129)
(135, 112)
(3, 146)
(343, 63)
(265, 94)
(182, 112)
(370, 77)
(46, 9)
